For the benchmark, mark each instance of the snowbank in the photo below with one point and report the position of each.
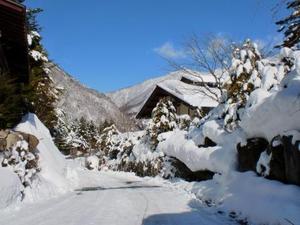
(10, 188)
(259, 200)
(57, 175)
(269, 114)
(216, 159)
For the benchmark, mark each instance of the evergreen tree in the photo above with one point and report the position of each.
(41, 92)
(249, 71)
(245, 76)
(108, 139)
(164, 119)
(290, 25)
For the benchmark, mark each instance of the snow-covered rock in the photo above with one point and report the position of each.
(217, 159)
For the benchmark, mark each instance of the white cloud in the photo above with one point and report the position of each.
(168, 50)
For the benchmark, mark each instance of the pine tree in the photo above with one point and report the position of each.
(41, 92)
(108, 139)
(164, 119)
(290, 25)
(244, 78)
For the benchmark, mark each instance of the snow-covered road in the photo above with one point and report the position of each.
(112, 199)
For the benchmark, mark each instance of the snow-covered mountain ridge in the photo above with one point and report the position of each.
(79, 101)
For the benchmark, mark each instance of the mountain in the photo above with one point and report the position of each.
(131, 99)
(79, 101)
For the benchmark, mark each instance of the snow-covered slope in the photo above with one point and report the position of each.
(79, 101)
(57, 175)
(131, 99)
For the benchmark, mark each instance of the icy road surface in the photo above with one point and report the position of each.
(116, 199)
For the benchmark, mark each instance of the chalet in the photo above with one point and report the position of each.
(186, 96)
(13, 40)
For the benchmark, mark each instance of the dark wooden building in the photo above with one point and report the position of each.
(13, 40)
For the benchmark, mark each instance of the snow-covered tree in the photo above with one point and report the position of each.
(109, 142)
(243, 78)
(248, 71)
(42, 93)
(164, 118)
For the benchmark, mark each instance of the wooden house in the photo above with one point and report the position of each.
(13, 40)
(187, 98)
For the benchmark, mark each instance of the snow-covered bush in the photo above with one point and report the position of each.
(92, 162)
(163, 119)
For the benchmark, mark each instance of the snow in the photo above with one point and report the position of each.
(92, 162)
(36, 55)
(263, 164)
(216, 159)
(142, 153)
(57, 175)
(10, 188)
(295, 135)
(117, 199)
(213, 131)
(259, 200)
(269, 74)
(286, 52)
(265, 107)
(193, 95)
(199, 77)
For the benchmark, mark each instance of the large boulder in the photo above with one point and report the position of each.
(182, 171)
(3, 134)
(249, 154)
(277, 163)
(280, 159)
(291, 159)
(2, 144)
(12, 139)
(31, 140)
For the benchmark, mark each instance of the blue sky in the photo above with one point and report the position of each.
(110, 44)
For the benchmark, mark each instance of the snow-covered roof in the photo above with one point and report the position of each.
(200, 77)
(195, 96)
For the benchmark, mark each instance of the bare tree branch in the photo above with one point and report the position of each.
(212, 56)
